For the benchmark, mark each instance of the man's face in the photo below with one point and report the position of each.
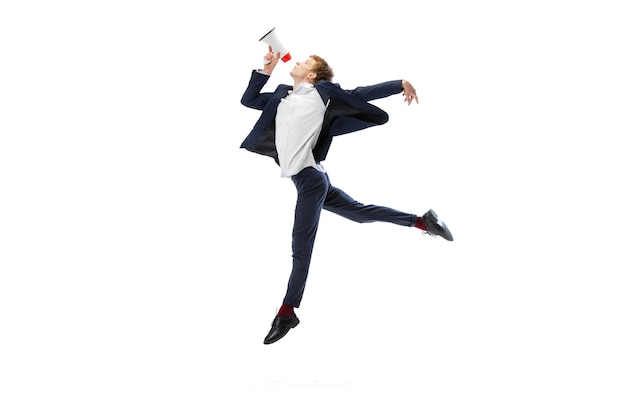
(303, 71)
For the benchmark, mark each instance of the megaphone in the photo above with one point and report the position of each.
(272, 40)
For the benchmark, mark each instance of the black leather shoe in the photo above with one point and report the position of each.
(280, 327)
(435, 226)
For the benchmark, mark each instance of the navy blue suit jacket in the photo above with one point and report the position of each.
(347, 111)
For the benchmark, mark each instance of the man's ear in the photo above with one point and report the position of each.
(311, 77)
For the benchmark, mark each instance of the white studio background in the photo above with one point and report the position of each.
(144, 255)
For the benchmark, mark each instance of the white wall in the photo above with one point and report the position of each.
(144, 254)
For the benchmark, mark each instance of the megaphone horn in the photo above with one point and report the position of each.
(271, 39)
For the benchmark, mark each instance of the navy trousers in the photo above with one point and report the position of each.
(314, 194)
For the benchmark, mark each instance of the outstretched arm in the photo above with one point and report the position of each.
(379, 91)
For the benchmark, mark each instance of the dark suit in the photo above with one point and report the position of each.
(347, 111)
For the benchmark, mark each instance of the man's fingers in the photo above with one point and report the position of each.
(409, 97)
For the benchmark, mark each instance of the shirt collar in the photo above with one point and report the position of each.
(303, 86)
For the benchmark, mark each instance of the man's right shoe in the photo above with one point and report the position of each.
(280, 327)
(435, 226)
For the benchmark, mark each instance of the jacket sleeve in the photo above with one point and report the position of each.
(377, 91)
(253, 97)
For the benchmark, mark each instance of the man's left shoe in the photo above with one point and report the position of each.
(280, 327)
(435, 226)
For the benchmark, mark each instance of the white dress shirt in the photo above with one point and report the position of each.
(299, 121)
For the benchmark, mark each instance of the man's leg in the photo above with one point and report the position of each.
(339, 202)
(312, 186)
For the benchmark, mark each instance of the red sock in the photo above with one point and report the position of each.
(419, 223)
(285, 310)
